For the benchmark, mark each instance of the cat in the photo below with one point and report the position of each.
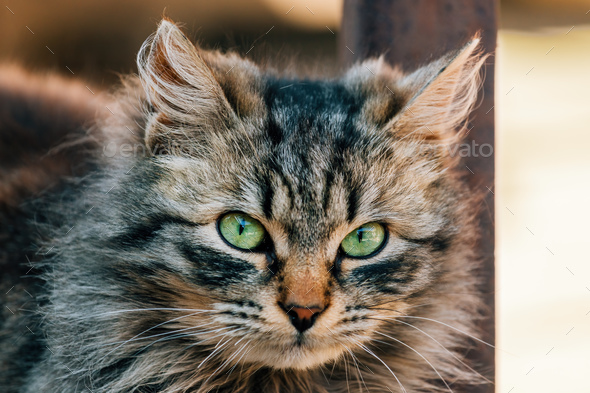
(216, 226)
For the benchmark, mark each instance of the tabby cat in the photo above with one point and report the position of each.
(223, 228)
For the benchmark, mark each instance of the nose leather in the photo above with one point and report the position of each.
(302, 317)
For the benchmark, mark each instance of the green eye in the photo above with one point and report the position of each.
(364, 241)
(241, 231)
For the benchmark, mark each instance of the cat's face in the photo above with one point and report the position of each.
(291, 221)
(310, 177)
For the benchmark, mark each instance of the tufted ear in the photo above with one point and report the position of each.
(440, 95)
(188, 89)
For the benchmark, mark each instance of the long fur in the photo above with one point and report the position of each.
(140, 293)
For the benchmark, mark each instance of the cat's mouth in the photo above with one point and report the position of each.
(284, 350)
(300, 355)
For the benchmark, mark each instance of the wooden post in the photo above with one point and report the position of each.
(411, 33)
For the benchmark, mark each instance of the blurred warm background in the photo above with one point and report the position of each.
(543, 133)
(543, 186)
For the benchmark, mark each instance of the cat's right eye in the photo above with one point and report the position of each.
(365, 241)
(241, 231)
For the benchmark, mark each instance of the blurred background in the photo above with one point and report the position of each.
(542, 136)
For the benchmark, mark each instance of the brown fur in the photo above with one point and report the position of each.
(164, 304)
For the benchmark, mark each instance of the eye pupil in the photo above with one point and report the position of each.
(364, 241)
(241, 231)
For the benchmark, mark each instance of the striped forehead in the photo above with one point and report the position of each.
(308, 97)
(310, 126)
(308, 122)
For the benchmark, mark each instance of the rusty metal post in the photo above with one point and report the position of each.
(411, 33)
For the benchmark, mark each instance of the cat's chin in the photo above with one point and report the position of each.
(296, 357)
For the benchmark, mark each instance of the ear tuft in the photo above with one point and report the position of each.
(180, 87)
(441, 95)
(196, 96)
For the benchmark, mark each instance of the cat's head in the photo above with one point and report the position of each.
(292, 221)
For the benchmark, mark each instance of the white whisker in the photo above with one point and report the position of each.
(346, 372)
(238, 361)
(360, 374)
(419, 354)
(228, 360)
(147, 330)
(240, 340)
(443, 347)
(160, 334)
(153, 309)
(167, 338)
(218, 348)
(215, 336)
(449, 326)
(324, 374)
(332, 372)
(382, 362)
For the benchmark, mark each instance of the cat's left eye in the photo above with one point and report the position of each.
(241, 231)
(365, 241)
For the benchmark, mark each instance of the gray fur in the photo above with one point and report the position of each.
(141, 294)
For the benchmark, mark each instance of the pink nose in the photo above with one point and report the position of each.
(302, 318)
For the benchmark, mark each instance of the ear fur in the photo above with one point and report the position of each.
(442, 94)
(376, 82)
(196, 95)
(179, 86)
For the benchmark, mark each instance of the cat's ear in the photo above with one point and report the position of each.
(184, 86)
(440, 95)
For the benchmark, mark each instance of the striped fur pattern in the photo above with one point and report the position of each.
(142, 294)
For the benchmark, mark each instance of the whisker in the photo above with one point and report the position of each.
(238, 361)
(407, 308)
(217, 349)
(217, 335)
(385, 302)
(386, 309)
(152, 309)
(346, 371)
(225, 363)
(449, 326)
(382, 362)
(332, 372)
(441, 345)
(168, 338)
(360, 374)
(147, 330)
(324, 374)
(419, 354)
(235, 354)
(160, 334)
(240, 340)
